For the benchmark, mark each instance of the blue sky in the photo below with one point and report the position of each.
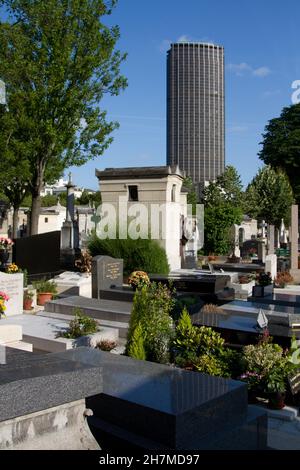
(262, 55)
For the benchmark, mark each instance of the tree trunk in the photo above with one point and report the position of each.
(36, 201)
(35, 213)
(15, 222)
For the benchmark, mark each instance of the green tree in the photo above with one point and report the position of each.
(58, 60)
(281, 145)
(223, 207)
(226, 188)
(269, 196)
(14, 168)
(51, 200)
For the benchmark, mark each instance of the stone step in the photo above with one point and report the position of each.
(121, 326)
(113, 311)
(22, 345)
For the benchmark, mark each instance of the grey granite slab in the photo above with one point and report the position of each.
(113, 310)
(30, 383)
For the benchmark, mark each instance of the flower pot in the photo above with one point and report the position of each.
(27, 304)
(262, 291)
(4, 255)
(276, 400)
(44, 297)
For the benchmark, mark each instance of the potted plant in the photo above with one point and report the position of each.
(138, 279)
(45, 291)
(264, 285)
(28, 298)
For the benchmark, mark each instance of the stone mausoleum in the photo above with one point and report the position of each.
(151, 186)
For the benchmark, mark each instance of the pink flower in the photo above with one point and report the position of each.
(4, 296)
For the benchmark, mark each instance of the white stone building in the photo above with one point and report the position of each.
(149, 190)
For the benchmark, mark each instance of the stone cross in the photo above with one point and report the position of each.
(271, 239)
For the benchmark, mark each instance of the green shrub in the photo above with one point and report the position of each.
(44, 285)
(202, 349)
(136, 348)
(80, 325)
(138, 255)
(152, 306)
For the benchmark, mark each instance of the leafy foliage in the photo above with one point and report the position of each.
(136, 347)
(269, 196)
(138, 255)
(269, 364)
(281, 145)
(81, 325)
(152, 306)
(44, 285)
(202, 349)
(223, 207)
(58, 60)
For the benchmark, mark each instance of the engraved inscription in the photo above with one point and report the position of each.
(112, 271)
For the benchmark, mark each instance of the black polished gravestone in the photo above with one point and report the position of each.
(276, 314)
(287, 300)
(197, 283)
(106, 273)
(154, 406)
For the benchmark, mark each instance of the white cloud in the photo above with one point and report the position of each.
(165, 45)
(262, 72)
(243, 68)
(187, 38)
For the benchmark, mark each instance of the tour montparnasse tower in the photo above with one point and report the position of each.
(195, 110)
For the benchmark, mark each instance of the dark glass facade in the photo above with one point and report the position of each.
(195, 110)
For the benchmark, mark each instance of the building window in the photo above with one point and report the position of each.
(173, 193)
(46, 220)
(133, 194)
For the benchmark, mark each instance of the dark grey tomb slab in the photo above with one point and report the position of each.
(169, 407)
(106, 272)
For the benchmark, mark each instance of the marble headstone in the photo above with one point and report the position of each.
(12, 285)
(106, 272)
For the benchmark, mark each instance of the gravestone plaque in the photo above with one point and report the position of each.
(294, 383)
(106, 272)
(12, 285)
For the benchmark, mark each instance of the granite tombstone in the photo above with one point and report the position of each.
(106, 273)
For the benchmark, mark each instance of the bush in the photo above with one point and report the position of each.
(266, 367)
(138, 255)
(283, 278)
(136, 347)
(81, 325)
(152, 306)
(202, 349)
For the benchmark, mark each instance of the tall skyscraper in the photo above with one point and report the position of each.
(195, 110)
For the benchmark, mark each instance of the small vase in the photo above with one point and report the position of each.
(4, 255)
